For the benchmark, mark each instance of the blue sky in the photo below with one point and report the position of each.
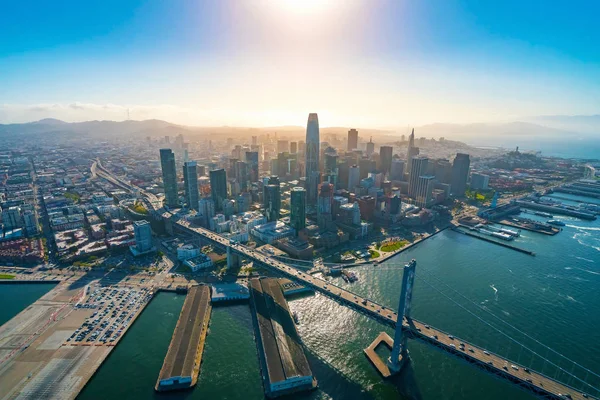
(371, 63)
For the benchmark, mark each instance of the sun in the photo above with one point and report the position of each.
(305, 6)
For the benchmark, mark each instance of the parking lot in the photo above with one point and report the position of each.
(114, 308)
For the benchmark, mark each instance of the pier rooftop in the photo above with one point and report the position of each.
(182, 363)
(222, 292)
(285, 368)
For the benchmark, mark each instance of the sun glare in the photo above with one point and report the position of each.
(305, 6)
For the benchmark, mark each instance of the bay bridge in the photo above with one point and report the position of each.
(570, 385)
(406, 327)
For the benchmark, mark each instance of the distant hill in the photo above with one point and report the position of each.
(534, 128)
(481, 130)
(95, 128)
(575, 123)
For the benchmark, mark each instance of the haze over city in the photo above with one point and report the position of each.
(299, 199)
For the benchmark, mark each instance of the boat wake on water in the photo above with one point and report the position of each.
(586, 239)
(495, 292)
(588, 271)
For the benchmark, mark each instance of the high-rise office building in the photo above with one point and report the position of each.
(366, 165)
(252, 160)
(370, 147)
(272, 199)
(395, 205)
(460, 174)
(352, 139)
(385, 154)
(353, 177)
(397, 173)
(478, 182)
(343, 171)
(169, 175)
(423, 190)
(293, 147)
(312, 159)
(298, 208)
(324, 203)
(412, 151)
(443, 171)
(418, 169)
(283, 146)
(143, 236)
(218, 187)
(331, 166)
(190, 182)
(206, 211)
(254, 140)
(241, 175)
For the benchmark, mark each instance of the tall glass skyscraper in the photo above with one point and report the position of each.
(418, 169)
(272, 199)
(460, 174)
(169, 174)
(312, 159)
(298, 209)
(218, 187)
(190, 182)
(385, 154)
(252, 160)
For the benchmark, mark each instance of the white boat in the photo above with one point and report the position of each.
(556, 222)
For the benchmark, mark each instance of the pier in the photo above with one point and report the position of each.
(529, 225)
(556, 210)
(508, 246)
(182, 363)
(284, 365)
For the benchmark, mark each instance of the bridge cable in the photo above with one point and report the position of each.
(504, 334)
(509, 324)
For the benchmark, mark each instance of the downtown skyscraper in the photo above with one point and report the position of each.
(169, 175)
(190, 182)
(298, 208)
(218, 187)
(412, 151)
(352, 139)
(385, 154)
(312, 159)
(460, 174)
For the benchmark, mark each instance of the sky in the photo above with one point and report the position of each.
(361, 63)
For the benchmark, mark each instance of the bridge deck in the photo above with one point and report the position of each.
(535, 382)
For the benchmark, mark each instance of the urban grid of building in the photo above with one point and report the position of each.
(312, 194)
(167, 214)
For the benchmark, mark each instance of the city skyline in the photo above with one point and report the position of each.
(398, 63)
(275, 197)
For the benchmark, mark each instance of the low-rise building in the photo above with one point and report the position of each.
(187, 251)
(271, 231)
(202, 261)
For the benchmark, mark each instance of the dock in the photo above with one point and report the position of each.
(284, 366)
(383, 339)
(556, 210)
(530, 225)
(508, 246)
(182, 364)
